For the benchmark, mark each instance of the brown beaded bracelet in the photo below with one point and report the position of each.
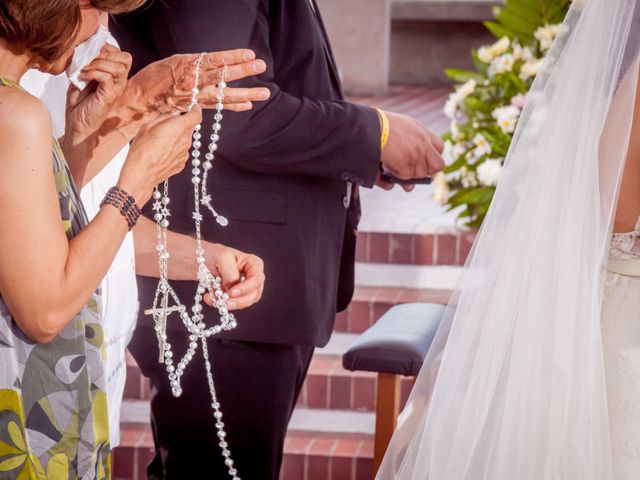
(125, 204)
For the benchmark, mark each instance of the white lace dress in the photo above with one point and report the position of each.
(621, 342)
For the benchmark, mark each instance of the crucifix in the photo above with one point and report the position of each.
(160, 315)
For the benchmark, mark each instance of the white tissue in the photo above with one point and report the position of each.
(86, 52)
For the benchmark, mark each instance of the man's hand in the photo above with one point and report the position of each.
(411, 152)
(242, 275)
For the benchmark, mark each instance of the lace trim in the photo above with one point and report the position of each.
(626, 246)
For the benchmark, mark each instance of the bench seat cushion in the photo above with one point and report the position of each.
(398, 342)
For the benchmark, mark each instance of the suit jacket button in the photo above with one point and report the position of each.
(345, 176)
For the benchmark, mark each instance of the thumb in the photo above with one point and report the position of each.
(229, 271)
(192, 118)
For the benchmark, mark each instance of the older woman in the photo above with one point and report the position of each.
(53, 411)
(163, 86)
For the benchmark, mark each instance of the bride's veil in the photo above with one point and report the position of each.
(520, 388)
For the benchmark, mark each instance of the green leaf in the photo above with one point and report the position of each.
(499, 31)
(557, 12)
(522, 27)
(478, 195)
(477, 104)
(524, 9)
(462, 76)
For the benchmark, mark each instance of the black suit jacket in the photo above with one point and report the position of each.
(282, 170)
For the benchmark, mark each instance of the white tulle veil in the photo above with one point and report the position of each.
(520, 387)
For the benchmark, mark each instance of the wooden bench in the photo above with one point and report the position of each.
(396, 345)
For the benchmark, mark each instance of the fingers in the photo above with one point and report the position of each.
(228, 268)
(229, 57)
(384, 185)
(114, 68)
(103, 78)
(190, 119)
(234, 72)
(434, 160)
(243, 302)
(113, 62)
(239, 107)
(208, 95)
(250, 290)
(253, 270)
(438, 143)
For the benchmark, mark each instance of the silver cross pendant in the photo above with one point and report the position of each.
(160, 316)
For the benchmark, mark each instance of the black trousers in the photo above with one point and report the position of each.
(257, 385)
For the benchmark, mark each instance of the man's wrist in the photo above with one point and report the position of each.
(384, 128)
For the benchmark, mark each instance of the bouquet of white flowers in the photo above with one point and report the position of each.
(486, 104)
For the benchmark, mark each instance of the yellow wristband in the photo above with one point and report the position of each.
(384, 123)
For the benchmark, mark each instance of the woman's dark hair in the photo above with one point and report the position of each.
(117, 6)
(44, 27)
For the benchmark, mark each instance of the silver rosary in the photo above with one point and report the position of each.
(194, 322)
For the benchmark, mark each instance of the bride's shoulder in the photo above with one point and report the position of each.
(22, 114)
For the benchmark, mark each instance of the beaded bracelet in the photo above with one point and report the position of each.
(125, 204)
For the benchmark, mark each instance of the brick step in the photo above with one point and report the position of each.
(414, 248)
(329, 386)
(370, 303)
(324, 457)
(328, 382)
(319, 445)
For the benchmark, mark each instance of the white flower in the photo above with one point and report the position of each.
(482, 147)
(467, 88)
(455, 131)
(530, 69)
(546, 35)
(442, 190)
(507, 117)
(519, 100)
(451, 107)
(487, 53)
(503, 63)
(446, 153)
(468, 178)
(490, 172)
(457, 97)
(520, 53)
(458, 150)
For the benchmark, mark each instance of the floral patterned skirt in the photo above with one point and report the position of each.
(53, 407)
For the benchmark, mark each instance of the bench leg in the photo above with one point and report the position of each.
(387, 410)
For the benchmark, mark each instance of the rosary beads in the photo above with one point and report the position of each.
(193, 321)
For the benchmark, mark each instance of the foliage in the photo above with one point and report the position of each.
(486, 104)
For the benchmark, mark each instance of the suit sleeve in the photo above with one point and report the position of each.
(289, 134)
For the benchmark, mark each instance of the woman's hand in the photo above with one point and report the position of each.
(165, 86)
(160, 151)
(87, 110)
(242, 275)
